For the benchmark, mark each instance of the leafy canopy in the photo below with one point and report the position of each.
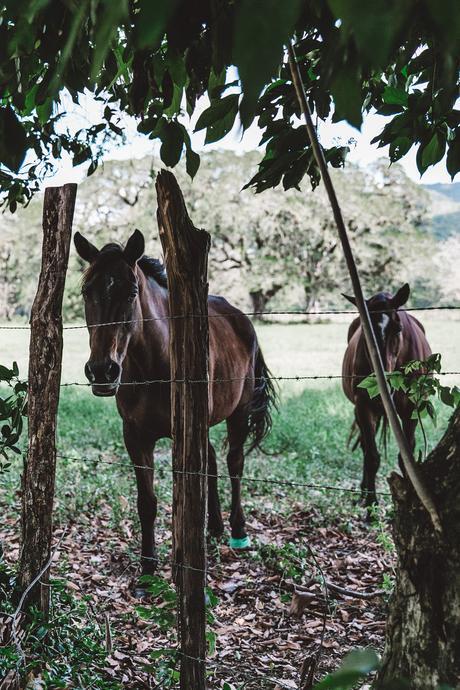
(154, 59)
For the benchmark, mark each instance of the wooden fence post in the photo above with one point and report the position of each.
(186, 256)
(45, 358)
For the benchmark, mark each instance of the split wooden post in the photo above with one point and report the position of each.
(45, 359)
(186, 257)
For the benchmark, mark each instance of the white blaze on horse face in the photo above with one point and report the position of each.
(383, 322)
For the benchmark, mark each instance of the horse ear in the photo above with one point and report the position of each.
(401, 296)
(134, 248)
(86, 250)
(350, 298)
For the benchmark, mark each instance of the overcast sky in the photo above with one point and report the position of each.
(137, 146)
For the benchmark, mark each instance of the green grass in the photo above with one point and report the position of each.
(308, 444)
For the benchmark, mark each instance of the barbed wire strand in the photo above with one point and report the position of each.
(238, 314)
(244, 478)
(306, 377)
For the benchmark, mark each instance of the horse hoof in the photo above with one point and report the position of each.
(239, 544)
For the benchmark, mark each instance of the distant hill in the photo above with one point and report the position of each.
(451, 191)
(444, 209)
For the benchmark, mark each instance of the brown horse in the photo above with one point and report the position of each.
(401, 338)
(129, 291)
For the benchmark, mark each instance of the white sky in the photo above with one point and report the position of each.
(139, 145)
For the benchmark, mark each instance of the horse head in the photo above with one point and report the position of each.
(110, 290)
(386, 322)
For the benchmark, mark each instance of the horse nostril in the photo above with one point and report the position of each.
(113, 372)
(89, 373)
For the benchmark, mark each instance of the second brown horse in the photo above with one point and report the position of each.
(401, 338)
(129, 292)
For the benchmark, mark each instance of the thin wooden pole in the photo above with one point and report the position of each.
(45, 358)
(376, 360)
(186, 257)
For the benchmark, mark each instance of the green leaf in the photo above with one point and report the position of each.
(446, 396)
(110, 16)
(151, 21)
(370, 384)
(177, 70)
(217, 111)
(172, 142)
(261, 31)
(395, 96)
(346, 92)
(432, 152)
(453, 156)
(399, 147)
(192, 162)
(374, 27)
(356, 665)
(13, 139)
(6, 374)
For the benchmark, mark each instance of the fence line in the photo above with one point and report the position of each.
(244, 478)
(306, 377)
(238, 314)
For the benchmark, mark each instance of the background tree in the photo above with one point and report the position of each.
(268, 252)
(154, 60)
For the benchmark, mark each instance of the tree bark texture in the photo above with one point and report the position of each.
(45, 358)
(423, 628)
(186, 258)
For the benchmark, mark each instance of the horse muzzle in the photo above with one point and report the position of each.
(106, 390)
(104, 377)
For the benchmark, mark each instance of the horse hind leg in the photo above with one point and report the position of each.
(238, 428)
(371, 460)
(215, 522)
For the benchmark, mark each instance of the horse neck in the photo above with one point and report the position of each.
(149, 344)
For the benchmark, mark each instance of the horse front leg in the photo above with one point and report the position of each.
(367, 423)
(237, 433)
(141, 454)
(409, 426)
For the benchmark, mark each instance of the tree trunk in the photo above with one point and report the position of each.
(423, 628)
(44, 381)
(186, 257)
(260, 298)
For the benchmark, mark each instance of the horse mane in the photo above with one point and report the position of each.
(152, 268)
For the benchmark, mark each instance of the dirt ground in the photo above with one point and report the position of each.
(276, 620)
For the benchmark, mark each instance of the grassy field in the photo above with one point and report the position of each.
(308, 443)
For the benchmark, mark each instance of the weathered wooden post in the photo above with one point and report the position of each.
(186, 256)
(44, 380)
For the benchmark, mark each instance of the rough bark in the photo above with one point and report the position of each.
(423, 628)
(44, 380)
(260, 298)
(186, 257)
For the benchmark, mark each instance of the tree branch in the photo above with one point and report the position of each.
(406, 453)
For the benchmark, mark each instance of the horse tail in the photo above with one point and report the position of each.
(264, 401)
(383, 434)
(354, 432)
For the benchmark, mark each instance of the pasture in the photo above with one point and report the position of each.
(304, 521)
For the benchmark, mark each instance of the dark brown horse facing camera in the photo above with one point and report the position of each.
(401, 338)
(128, 290)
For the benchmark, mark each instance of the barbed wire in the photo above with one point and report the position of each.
(306, 377)
(238, 314)
(243, 478)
